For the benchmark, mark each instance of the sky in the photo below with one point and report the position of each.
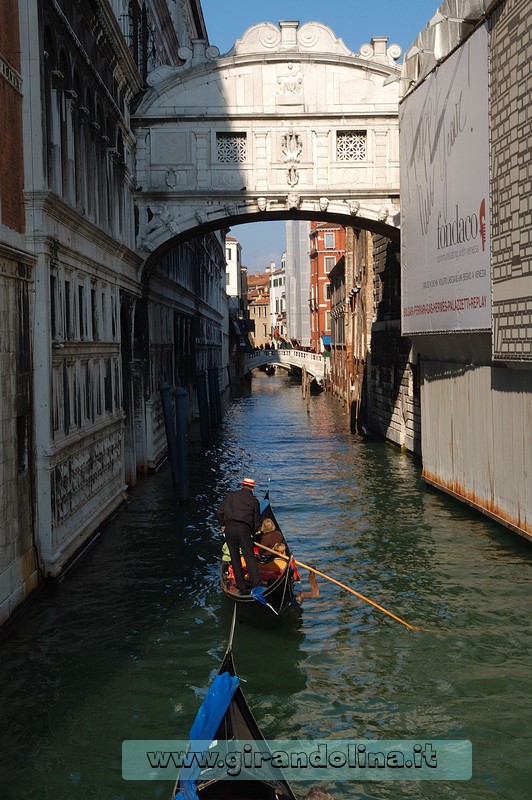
(353, 21)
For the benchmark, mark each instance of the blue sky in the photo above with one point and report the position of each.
(353, 21)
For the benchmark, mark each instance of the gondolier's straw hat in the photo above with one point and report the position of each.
(249, 482)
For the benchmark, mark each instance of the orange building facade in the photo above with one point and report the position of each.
(327, 246)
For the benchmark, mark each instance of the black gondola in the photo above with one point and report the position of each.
(237, 724)
(276, 596)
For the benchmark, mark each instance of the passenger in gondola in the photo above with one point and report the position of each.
(239, 516)
(268, 535)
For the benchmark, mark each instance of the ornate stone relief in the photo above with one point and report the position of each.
(293, 200)
(262, 203)
(377, 51)
(383, 214)
(172, 178)
(292, 146)
(324, 203)
(291, 82)
(353, 206)
(161, 219)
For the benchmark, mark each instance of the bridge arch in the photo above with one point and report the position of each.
(288, 124)
(314, 363)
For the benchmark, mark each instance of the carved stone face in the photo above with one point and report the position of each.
(324, 203)
(293, 200)
(262, 203)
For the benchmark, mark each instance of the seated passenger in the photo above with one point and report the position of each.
(268, 535)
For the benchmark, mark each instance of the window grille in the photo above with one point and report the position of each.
(351, 145)
(231, 148)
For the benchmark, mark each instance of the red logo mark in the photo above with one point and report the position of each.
(482, 215)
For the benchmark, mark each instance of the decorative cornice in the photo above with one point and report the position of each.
(136, 84)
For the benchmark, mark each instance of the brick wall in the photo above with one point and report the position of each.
(511, 143)
(393, 407)
(11, 162)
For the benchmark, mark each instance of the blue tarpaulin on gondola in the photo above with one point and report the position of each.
(207, 722)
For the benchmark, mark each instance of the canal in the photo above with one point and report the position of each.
(124, 647)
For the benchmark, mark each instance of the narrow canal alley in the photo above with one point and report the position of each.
(125, 646)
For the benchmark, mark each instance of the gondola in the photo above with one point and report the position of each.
(226, 700)
(276, 596)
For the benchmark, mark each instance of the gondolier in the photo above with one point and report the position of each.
(239, 516)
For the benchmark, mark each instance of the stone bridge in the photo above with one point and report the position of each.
(288, 124)
(314, 363)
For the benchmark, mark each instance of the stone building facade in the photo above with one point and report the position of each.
(19, 569)
(87, 326)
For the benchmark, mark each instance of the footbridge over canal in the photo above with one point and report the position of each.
(314, 363)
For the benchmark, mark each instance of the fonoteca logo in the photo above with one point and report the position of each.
(462, 229)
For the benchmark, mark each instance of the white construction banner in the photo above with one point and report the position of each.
(445, 229)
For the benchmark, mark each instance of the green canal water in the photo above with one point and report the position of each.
(125, 647)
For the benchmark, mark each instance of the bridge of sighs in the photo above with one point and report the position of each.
(288, 124)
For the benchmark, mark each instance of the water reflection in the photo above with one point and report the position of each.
(125, 648)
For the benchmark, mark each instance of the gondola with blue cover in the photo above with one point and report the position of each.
(225, 716)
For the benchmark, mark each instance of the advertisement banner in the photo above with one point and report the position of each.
(445, 230)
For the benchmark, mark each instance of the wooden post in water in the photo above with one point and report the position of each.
(181, 415)
(169, 425)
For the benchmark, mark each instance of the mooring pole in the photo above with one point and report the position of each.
(181, 403)
(203, 407)
(170, 430)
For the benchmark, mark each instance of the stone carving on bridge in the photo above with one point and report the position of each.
(201, 217)
(353, 206)
(230, 209)
(161, 219)
(383, 214)
(293, 200)
(323, 203)
(292, 81)
(172, 178)
(377, 51)
(292, 146)
(262, 203)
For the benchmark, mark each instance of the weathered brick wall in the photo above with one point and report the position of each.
(511, 144)
(393, 397)
(11, 163)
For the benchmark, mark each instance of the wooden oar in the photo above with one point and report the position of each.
(341, 585)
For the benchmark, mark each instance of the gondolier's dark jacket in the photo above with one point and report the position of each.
(240, 506)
